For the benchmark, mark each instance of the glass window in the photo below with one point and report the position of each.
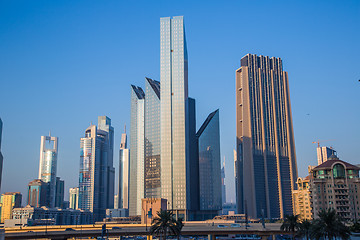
(338, 171)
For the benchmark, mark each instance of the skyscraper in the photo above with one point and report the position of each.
(209, 166)
(37, 193)
(152, 139)
(48, 164)
(124, 170)
(266, 161)
(8, 202)
(323, 153)
(136, 150)
(1, 156)
(74, 198)
(96, 170)
(174, 121)
(223, 187)
(59, 193)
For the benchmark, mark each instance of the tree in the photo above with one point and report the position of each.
(166, 224)
(329, 226)
(304, 230)
(290, 224)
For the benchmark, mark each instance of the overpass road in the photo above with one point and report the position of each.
(189, 229)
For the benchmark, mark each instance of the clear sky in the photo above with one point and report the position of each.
(63, 63)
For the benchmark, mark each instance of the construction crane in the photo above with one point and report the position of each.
(318, 141)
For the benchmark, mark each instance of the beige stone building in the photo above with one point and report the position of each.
(301, 198)
(152, 205)
(8, 202)
(335, 184)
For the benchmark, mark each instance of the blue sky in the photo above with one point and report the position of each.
(63, 63)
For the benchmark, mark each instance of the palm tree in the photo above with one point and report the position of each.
(165, 223)
(305, 228)
(290, 224)
(329, 226)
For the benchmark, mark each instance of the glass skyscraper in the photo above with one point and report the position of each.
(37, 193)
(152, 139)
(210, 188)
(266, 170)
(96, 169)
(48, 164)
(124, 171)
(136, 192)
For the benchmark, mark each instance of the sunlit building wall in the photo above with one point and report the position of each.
(267, 171)
(323, 153)
(48, 165)
(301, 197)
(152, 139)
(136, 150)
(8, 202)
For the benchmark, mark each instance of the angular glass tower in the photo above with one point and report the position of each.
(96, 170)
(48, 164)
(136, 150)
(152, 139)
(266, 170)
(174, 95)
(210, 166)
(124, 171)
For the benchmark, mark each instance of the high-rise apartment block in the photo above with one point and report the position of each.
(37, 193)
(48, 165)
(1, 156)
(8, 202)
(124, 171)
(266, 161)
(335, 184)
(152, 139)
(323, 153)
(74, 198)
(96, 177)
(137, 150)
(301, 198)
(210, 190)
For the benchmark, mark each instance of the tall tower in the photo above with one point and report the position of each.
(96, 186)
(323, 153)
(174, 122)
(48, 164)
(266, 160)
(123, 196)
(209, 165)
(223, 187)
(152, 139)
(137, 150)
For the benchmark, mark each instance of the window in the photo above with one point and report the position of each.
(338, 171)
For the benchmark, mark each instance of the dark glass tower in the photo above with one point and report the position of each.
(266, 170)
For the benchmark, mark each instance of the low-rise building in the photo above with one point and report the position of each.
(301, 198)
(57, 216)
(335, 184)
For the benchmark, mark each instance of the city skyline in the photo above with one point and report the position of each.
(303, 124)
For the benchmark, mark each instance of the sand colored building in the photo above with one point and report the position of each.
(8, 202)
(151, 205)
(301, 198)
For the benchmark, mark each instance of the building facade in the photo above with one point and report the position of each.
(124, 171)
(175, 118)
(48, 165)
(223, 186)
(301, 198)
(266, 161)
(59, 193)
(8, 202)
(37, 193)
(137, 150)
(323, 153)
(210, 189)
(96, 170)
(74, 198)
(152, 139)
(335, 184)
